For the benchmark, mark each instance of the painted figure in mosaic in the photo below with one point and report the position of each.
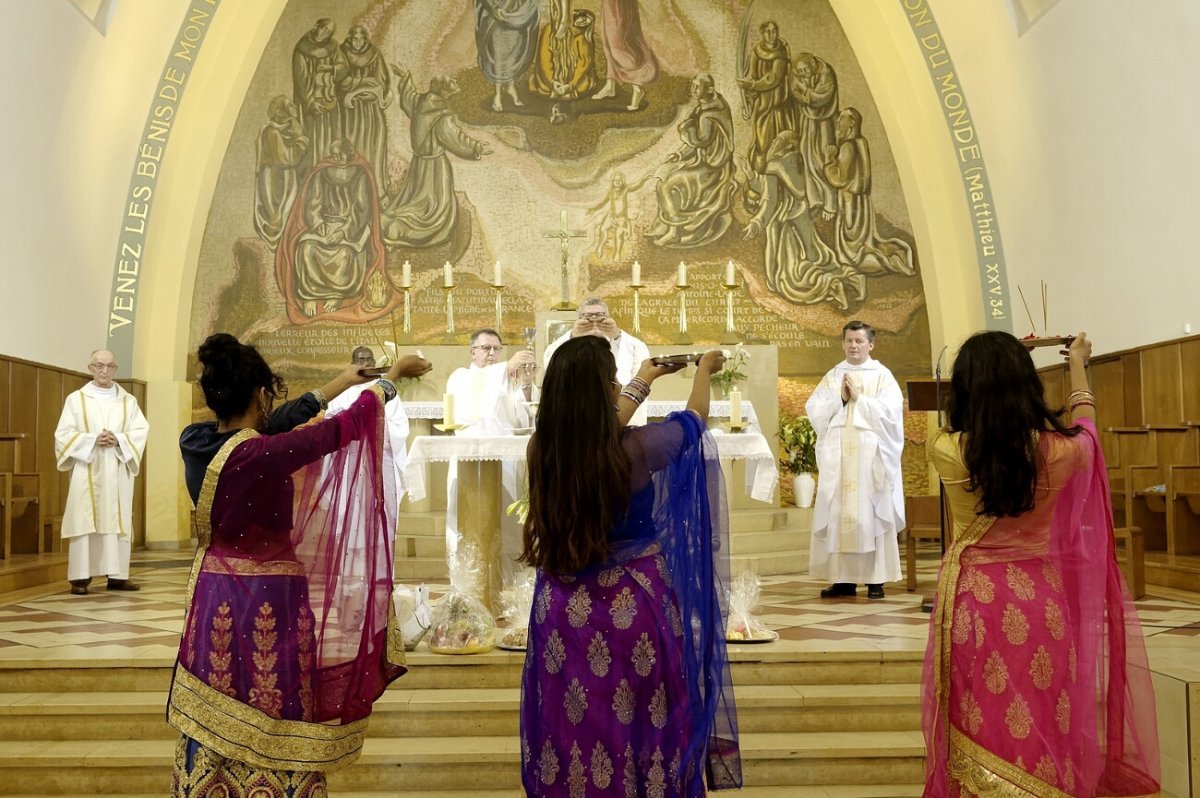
(283, 653)
(815, 87)
(1036, 680)
(626, 687)
(100, 439)
(767, 94)
(565, 66)
(425, 211)
(857, 411)
(695, 197)
(281, 147)
(364, 89)
(505, 40)
(316, 63)
(848, 169)
(614, 234)
(330, 261)
(630, 60)
(799, 265)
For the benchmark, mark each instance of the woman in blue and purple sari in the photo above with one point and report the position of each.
(626, 688)
(287, 641)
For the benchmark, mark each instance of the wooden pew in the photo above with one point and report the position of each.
(19, 499)
(921, 515)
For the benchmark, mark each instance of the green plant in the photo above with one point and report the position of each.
(733, 372)
(799, 441)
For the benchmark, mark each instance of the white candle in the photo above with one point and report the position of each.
(735, 407)
(406, 275)
(637, 273)
(729, 273)
(448, 409)
(496, 275)
(448, 275)
(682, 280)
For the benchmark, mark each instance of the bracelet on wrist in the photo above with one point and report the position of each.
(388, 387)
(319, 395)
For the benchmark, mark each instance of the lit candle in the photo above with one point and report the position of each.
(496, 275)
(637, 273)
(729, 273)
(682, 280)
(735, 407)
(448, 275)
(448, 409)
(406, 275)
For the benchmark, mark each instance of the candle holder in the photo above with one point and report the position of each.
(449, 338)
(739, 426)
(682, 336)
(731, 335)
(448, 427)
(636, 324)
(405, 336)
(498, 287)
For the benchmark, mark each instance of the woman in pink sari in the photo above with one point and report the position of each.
(1036, 681)
(282, 655)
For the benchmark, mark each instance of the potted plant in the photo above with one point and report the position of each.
(799, 442)
(733, 372)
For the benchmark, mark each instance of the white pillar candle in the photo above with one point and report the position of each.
(406, 275)
(496, 275)
(682, 280)
(448, 409)
(729, 273)
(637, 273)
(448, 275)
(735, 407)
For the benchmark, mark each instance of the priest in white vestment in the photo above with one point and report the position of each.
(493, 397)
(393, 413)
(100, 439)
(858, 414)
(628, 350)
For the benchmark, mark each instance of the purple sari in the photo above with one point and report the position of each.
(626, 688)
(286, 643)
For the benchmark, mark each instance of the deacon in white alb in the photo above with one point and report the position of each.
(100, 439)
(858, 414)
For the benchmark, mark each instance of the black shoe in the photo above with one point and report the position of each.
(875, 591)
(79, 587)
(123, 584)
(840, 590)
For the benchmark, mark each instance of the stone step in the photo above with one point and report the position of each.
(754, 519)
(74, 767)
(797, 791)
(751, 665)
(792, 561)
(403, 712)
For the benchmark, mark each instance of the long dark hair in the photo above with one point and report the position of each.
(578, 469)
(233, 371)
(996, 401)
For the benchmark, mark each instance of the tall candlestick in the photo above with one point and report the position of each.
(448, 409)
(637, 273)
(448, 275)
(496, 275)
(735, 407)
(729, 273)
(406, 275)
(682, 279)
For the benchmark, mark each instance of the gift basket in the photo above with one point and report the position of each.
(516, 602)
(462, 624)
(413, 613)
(743, 626)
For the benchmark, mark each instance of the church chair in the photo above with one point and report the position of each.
(922, 516)
(1134, 565)
(19, 500)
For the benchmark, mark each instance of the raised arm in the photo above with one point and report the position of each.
(1082, 401)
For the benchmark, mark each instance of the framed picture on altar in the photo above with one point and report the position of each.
(555, 328)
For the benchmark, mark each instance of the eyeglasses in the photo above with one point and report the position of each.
(594, 316)
(102, 366)
(488, 348)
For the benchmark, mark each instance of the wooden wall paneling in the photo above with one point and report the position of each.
(5, 393)
(23, 400)
(49, 389)
(1189, 359)
(1131, 368)
(1107, 381)
(1162, 385)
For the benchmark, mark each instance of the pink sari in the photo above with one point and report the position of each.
(1036, 681)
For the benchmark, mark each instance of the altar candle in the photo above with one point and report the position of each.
(448, 409)
(637, 273)
(735, 407)
(448, 275)
(496, 275)
(406, 275)
(682, 279)
(729, 273)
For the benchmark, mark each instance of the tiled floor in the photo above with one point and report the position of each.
(48, 625)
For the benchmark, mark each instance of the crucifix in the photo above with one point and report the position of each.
(564, 235)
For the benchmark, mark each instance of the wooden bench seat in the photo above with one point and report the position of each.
(921, 516)
(1134, 566)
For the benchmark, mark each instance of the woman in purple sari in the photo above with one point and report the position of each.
(282, 655)
(626, 688)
